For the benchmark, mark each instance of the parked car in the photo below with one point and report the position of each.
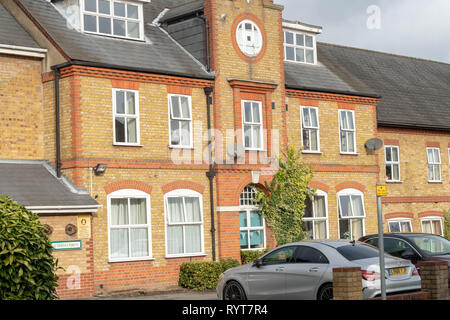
(415, 247)
(304, 271)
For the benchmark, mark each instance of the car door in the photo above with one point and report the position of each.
(303, 275)
(268, 281)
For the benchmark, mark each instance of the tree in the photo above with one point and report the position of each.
(27, 266)
(283, 206)
(447, 224)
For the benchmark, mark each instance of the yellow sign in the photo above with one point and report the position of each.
(381, 191)
(84, 226)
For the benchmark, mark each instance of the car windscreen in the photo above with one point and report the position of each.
(357, 252)
(431, 245)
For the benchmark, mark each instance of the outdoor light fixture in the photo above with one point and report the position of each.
(100, 169)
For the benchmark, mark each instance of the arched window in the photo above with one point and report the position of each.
(184, 223)
(316, 216)
(252, 225)
(129, 225)
(351, 214)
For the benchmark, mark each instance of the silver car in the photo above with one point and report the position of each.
(304, 271)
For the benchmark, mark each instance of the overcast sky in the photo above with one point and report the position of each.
(416, 28)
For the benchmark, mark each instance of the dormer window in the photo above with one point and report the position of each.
(123, 19)
(299, 47)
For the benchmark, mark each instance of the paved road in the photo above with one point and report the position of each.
(177, 295)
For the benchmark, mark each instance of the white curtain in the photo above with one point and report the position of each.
(139, 242)
(119, 243)
(193, 213)
(319, 207)
(138, 211)
(175, 208)
(357, 205)
(175, 239)
(119, 212)
(186, 114)
(132, 130)
(131, 103)
(357, 228)
(193, 239)
(320, 230)
(185, 133)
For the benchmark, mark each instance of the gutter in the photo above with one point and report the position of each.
(208, 55)
(348, 93)
(23, 51)
(211, 173)
(135, 69)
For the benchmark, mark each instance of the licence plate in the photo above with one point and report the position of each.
(398, 271)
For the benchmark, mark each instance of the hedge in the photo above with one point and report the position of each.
(250, 256)
(27, 267)
(203, 275)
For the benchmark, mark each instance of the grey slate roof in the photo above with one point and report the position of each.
(11, 33)
(158, 54)
(415, 92)
(317, 78)
(183, 9)
(32, 184)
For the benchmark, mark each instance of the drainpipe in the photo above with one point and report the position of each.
(58, 128)
(208, 57)
(211, 173)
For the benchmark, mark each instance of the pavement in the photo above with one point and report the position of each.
(172, 295)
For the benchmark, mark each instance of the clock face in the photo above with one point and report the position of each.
(249, 38)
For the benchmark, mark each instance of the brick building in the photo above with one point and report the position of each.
(133, 87)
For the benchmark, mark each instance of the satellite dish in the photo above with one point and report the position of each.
(236, 150)
(374, 144)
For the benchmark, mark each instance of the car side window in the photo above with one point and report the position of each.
(372, 242)
(283, 255)
(309, 255)
(396, 247)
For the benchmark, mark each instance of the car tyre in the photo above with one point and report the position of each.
(234, 291)
(325, 292)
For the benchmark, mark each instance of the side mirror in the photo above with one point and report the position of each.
(409, 255)
(257, 263)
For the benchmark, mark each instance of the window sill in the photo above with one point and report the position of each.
(186, 255)
(435, 182)
(312, 152)
(131, 260)
(394, 182)
(257, 150)
(181, 147)
(349, 154)
(127, 145)
(258, 249)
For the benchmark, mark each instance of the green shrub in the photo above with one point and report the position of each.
(250, 256)
(27, 267)
(447, 224)
(203, 275)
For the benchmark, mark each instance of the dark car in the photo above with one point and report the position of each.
(416, 247)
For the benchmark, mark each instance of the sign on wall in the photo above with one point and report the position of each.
(67, 245)
(84, 226)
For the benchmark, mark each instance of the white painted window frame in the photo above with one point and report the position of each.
(191, 136)
(189, 194)
(400, 220)
(126, 116)
(434, 163)
(111, 16)
(130, 194)
(255, 33)
(341, 129)
(310, 128)
(431, 219)
(320, 193)
(248, 208)
(392, 163)
(351, 192)
(252, 124)
(304, 47)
